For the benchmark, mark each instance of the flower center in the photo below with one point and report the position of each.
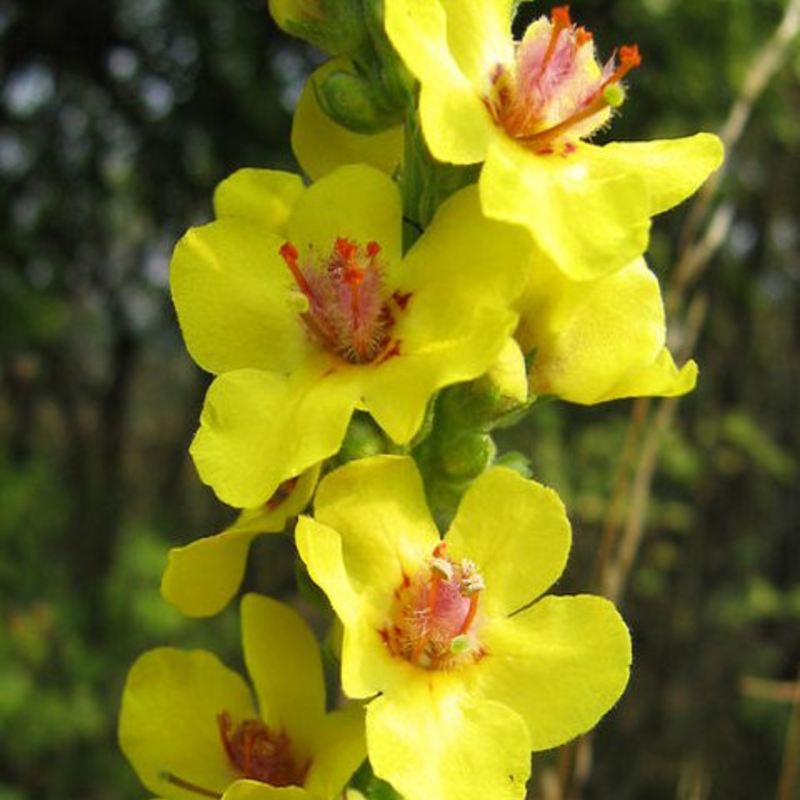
(434, 619)
(259, 753)
(347, 312)
(556, 92)
(255, 752)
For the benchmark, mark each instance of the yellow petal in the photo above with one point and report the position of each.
(517, 533)
(561, 664)
(168, 722)
(378, 507)
(661, 378)
(598, 340)
(262, 196)
(354, 202)
(456, 124)
(367, 666)
(249, 441)
(432, 743)
(283, 660)
(462, 274)
(479, 35)
(548, 193)
(340, 747)
(372, 523)
(255, 790)
(230, 288)
(673, 169)
(320, 145)
(203, 576)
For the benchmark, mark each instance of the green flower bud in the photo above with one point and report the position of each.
(466, 456)
(355, 102)
(363, 439)
(334, 26)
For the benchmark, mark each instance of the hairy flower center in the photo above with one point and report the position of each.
(259, 753)
(434, 620)
(347, 310)
(556, 92)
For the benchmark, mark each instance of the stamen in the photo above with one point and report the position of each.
(346, 311)
(290, 255)
(603, 98)
(629, 58)
(560, 20)
(189, 787)
(473, 609)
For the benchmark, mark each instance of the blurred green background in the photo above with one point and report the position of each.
(117, 119)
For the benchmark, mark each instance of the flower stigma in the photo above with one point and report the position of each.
(434, 618)
(556, 92)
(345, 308)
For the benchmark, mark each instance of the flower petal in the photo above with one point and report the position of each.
(283, 660)
(378, 507)
(561, 664)
(428, 742)
(354, 202)
(517, 533)
(372, 525)
(660, 378)
(673, 168)
(339, 749)
(598, 340)
(479, 35)
(463, 274)
(320, 145)
(456, 125)
(203, 576)
(168, 722)
(547, 193)
(230, 289)
(258, 429)
(255, 790)
(262, 196)
(367, 667)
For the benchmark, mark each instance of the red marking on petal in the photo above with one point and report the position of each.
(401, 299)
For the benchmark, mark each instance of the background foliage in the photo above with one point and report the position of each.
(116, 121)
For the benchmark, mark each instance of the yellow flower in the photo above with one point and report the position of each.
(190, 728)
(320, 145)
(598, 340)
(473, 668)
(524, 108)
(203, 576)
(304, 305)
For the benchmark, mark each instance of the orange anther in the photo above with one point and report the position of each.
(289, 253)
(373, 249)
(559, 20)
(629, 56)
(346, 249)
(582, 36)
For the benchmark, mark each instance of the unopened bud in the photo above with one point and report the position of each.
(354, 102)
(334, 26)
(362, 440)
